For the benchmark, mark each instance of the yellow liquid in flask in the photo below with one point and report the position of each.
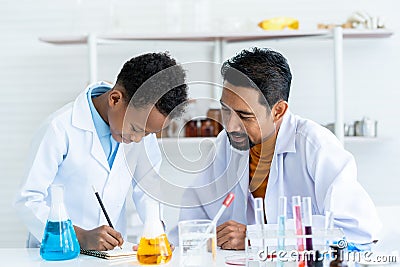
(154, 251)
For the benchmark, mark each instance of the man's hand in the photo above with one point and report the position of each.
(100, 238)
(231, 235)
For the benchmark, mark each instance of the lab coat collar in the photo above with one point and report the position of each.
(81, 116)
(82, 119)
(102, 128)
(285, 142)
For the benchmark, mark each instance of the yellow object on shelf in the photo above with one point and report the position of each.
(279, 23)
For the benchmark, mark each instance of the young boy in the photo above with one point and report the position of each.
(79, 146)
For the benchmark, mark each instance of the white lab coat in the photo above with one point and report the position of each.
(66, 150)
(308, 161)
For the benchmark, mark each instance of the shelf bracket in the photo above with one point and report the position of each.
(338, 82)
(218, 56)
(92, 51)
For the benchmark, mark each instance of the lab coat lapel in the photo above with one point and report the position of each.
(116, 182)
(118, 161)
(98, 152)
(82, 118)
(285, 143)
(239, 169)
(241, 200)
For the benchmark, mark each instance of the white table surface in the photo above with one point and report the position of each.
(24, 257)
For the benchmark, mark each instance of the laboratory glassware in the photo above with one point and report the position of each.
(59, 240)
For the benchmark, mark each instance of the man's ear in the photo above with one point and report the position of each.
(279, 109)
(115, 98)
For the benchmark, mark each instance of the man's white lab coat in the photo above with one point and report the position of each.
(308, 161)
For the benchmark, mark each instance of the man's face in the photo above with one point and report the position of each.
(246, 121)
(130, 124)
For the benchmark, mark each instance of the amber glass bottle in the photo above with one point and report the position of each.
(207, 129)
(216, 120)
(191, 129)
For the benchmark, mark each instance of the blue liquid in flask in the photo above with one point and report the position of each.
(59, 241)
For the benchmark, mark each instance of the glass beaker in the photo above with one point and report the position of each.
(59, 239)
(197, 243)
(154, 247)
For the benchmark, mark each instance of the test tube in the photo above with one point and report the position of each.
(307, 215)
(281, 222)
(328, 227)
(259, 210)
(296, 205)
(259, 213)
(328, 220)
(307, 221)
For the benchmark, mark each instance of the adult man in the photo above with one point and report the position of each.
(268, 152)
(80, 146)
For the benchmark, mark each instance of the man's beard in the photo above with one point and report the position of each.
(242, 145)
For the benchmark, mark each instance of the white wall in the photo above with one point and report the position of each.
(37, 78)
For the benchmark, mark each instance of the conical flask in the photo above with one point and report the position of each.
(154, 247)
(59, 240)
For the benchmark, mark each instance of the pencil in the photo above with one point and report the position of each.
(102, 207)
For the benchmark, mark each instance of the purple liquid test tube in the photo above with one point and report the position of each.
(307, 221)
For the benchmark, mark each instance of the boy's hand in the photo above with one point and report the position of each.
(100, 238)
(231, 235)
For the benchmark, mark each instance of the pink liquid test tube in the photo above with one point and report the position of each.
(296, 205)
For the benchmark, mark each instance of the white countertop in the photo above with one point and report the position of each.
(24, 257)
(30, 257)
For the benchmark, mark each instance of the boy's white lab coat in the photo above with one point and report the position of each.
(308, 161)
(67, 150)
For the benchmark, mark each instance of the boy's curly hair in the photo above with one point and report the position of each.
(160, 79)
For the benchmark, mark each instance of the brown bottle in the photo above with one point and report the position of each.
(191, 129)
(216, 120)
(338, 257)
(207, 129)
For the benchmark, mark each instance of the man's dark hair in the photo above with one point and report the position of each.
(260, 68)
(166, 89)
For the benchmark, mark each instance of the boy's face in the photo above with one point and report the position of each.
(129, 124)
(246, 121)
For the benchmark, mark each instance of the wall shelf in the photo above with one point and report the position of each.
(201, 37)
(219, 42)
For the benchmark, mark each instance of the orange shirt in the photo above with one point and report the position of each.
(259, 165)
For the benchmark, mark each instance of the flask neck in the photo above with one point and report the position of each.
(152, 225)
(57, 208)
